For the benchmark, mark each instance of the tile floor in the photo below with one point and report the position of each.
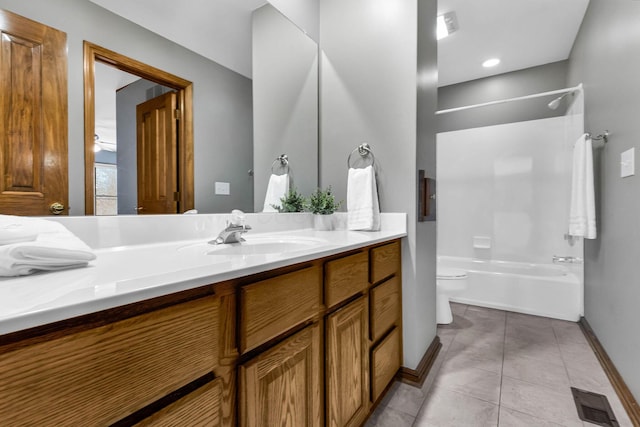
(499, 368)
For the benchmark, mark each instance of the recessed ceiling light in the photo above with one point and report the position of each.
(491, 62)
(446, 24)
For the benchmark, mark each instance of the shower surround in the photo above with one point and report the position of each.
(503, 200)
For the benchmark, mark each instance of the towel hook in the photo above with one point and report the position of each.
(603, 136)
(365, 151)
(283, 160)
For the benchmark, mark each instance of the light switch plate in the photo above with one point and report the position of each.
(627, 163)
(223, 188)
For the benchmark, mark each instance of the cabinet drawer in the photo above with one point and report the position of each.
(385, 261)
(385, 362)
(345, 277)
(273, 306)
(199, 408)
(385, 307)
(104, 374)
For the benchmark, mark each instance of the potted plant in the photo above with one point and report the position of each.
(322, 204)
(291, 202)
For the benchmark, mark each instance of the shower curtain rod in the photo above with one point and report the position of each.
(520, 98)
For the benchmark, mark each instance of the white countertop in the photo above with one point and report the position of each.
(127, 274)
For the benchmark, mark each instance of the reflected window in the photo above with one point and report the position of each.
(106, 194)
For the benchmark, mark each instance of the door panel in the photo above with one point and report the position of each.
(157, 155)
(33, 117)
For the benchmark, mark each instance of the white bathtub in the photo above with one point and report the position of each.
(542, 289)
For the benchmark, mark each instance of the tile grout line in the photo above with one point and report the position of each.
(504, 350)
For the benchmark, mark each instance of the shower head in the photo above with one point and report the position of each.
(556, 102)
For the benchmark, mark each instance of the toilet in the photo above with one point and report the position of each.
(449, 281)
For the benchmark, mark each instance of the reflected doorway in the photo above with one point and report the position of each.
(162, 175)
(125, 182)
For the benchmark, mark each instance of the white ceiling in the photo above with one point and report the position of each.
(216, 29)
(522, 33)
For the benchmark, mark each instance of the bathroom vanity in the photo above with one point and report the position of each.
(314, 338)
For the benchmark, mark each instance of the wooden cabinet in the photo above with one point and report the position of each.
(345, 277)
(386, 307)
(101, 375)
(198, 408)
(282, 386)
(270, 307)
(347, 364)
(385, 362)
(385, 316)
(251, 351)
(385, 261)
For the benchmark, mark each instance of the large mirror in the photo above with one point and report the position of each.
(124, 173)
(235, 140)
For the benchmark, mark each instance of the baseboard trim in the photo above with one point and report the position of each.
(626, 397)
(416, 377)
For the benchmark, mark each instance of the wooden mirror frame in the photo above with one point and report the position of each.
(94, 53)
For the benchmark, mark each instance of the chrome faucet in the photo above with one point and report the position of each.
(233, 231)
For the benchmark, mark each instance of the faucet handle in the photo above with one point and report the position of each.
(237, 217)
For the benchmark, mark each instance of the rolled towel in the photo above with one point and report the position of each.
(53, 248)
(277, 188)
(363, 210)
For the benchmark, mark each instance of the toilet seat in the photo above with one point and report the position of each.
(450, 274)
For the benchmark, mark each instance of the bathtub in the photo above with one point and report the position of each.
(542, 289)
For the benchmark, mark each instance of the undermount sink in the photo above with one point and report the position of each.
(258, 245)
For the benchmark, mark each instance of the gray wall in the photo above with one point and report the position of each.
(426, 251)
(368, 93)
(606, 59)
(285, 102)
(539, 79)
(222, 99)
(107, 157)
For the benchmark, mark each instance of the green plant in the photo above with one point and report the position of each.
(322, 202)
(291, 202)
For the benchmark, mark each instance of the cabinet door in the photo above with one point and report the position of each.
(347, 390)
(282, 386)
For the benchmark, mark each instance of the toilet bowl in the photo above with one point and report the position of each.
(449, 281)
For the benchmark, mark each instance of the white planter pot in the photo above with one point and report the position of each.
(323, 222)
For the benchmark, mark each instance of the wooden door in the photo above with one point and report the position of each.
(157, 155)
(347, 377)
(282, 386)
(33, 117)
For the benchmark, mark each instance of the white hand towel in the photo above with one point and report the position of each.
(54, 248)
(363, 211)
(277, 188)
(582, 213)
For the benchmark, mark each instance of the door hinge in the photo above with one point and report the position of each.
(177, 114)
(176, 196)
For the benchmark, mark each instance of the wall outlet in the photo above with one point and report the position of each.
(222, 188)
(627, 163)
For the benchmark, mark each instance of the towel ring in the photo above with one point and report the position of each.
(365, 151)
(283, 161)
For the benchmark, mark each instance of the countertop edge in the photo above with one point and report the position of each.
(191, 278)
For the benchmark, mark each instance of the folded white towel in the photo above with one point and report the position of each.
(53, 248)
(582, 213)
(363, 210)
(277, 188)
